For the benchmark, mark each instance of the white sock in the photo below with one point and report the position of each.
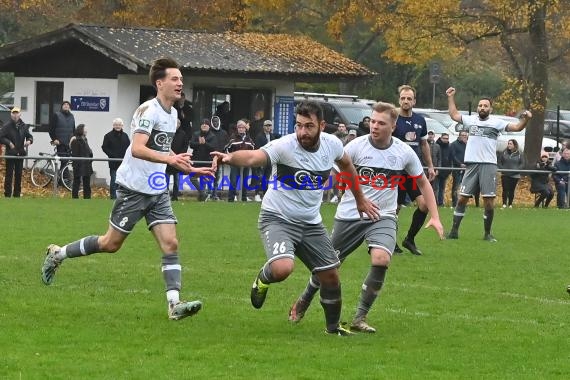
(173, 297)
(61, 254)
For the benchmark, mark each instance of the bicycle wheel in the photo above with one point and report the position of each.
(67, 176)
(42, 172)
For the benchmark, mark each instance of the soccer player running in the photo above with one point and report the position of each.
(380, 159)
(138, 195)
(480, 159)
(411, 129)
(290, 222)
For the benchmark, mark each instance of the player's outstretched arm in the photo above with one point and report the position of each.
(245, 158)
(452, 108)
(429, 197)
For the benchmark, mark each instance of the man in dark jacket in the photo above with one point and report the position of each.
(456, 156)
(115, 144)
(61, 129)
(443, 174)
(203, 143)
(16, 136)
(262, 139)
(561, 180)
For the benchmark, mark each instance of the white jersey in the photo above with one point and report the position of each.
(298, 177)
(380, 171)
(160, 125)
(482, 143)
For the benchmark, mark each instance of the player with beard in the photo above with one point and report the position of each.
(380, 158)
(480, 158)
(290, 222)
(411, 129)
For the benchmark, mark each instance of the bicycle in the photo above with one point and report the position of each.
(43, 171)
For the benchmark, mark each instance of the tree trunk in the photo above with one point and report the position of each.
(538, 81)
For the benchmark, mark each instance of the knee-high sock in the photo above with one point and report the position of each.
(488, 220)
(417, 222)
(331, 302)
(265, 274)
(458, 214)
(311, 289)
(370, 289)
(172, 274)
(82, 247)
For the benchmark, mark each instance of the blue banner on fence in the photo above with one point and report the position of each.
(90, 103)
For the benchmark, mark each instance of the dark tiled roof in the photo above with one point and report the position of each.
(259, 53)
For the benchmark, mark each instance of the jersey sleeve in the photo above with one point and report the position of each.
(274, 150)
(413, 166)
(144, 120)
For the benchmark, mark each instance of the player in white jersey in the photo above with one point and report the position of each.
(383, 162)
(290, 223)
(139, 194)
(480, 159)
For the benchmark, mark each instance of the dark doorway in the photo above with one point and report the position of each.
(49, 96)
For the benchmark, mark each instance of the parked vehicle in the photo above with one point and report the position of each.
(338, 108)
(552, 115)
(553, 129)
(7, 99)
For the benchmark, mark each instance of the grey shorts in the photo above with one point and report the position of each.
(309, 242)
(481, 177)
(348, 235)
(131, 206)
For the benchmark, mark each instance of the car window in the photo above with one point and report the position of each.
(354, 112)
(435, 126)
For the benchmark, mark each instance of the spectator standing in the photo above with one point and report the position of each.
(457, 158)
(185, 114)
(352, 134)
(561, 179)
(15, 135)
(179, 145)
(82, 169)
(443, 174)
(261, 140)
(435, 152)
(115, 144)
(222, 139)
(341, 133)
(540, 182)
(61, 129)
(364, 126)
(511, 158)
(203, 143)
(240, 141)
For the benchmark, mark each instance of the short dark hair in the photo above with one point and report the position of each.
(158, 69)
(66, 102)
(309, 107)
(488, 99)
(79, 130)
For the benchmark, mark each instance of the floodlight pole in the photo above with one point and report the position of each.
(433, 96)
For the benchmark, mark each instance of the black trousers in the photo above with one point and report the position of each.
(13, 175)
(86, 179)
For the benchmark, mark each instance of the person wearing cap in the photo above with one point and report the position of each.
(351, 135)
(262, 139)
(203, 143)
(15, 135)
(61, 129)
(115, 144)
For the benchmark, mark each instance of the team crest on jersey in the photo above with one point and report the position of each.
(392, 160)
(144, 123)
